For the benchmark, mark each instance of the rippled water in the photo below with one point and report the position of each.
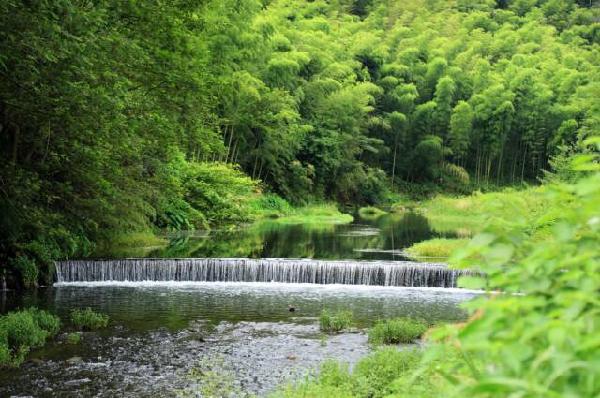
(160, 331)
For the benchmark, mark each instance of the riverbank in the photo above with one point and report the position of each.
(467, 216)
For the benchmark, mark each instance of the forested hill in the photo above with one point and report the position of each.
(122, 115)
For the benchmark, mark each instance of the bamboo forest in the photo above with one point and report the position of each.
(300, 198)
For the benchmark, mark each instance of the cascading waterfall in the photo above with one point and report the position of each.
(380, 273)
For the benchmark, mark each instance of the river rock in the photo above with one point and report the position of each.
(74, 360)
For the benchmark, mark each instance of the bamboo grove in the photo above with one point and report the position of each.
(119, 115)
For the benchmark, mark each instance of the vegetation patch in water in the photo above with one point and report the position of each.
(439, 247)
(74, 338)
(397, 331)
(370, 212)
(22, 330)
(335, 322)
(316, 214)
(88, 319)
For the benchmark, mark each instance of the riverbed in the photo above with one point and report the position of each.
(180, 338)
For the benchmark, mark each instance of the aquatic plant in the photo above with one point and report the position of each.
(335, 322)
(397, 331)
(22, 330)
(88, 319)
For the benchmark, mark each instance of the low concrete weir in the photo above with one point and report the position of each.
(347, 272)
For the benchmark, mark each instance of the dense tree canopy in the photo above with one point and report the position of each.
(120, 115)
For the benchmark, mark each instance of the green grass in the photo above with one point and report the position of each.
(335, 322)
(376, 375)
(20, 331)
(370, 212)
(469, 215)
(316, 214)
(88, 319)
(437, 248)
(269, 206)
(397, 331)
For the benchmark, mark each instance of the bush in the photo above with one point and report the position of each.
(333, 323)
(22, 330)
(397, 331)
(74, 338)
(88, 319)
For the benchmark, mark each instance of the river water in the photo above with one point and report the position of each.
(168, 338)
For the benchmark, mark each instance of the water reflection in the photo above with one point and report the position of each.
(375, 238)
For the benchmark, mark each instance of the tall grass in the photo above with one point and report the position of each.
(438, 248)
(397, 331)
(88, 319)
(335, 322)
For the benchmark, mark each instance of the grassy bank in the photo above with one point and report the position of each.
(471, 214)
(466, 216)
(435, 248)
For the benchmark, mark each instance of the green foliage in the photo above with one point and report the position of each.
(370, 211)
(335, 322)
(27, 270)
(269, 205)
(322, 214)
(88, 319)
(22, 330)
(535, 338)
(397, 331)
(112, 127)
(438, 247)
(373, 376)
(539, 340)
(74, 338)
(471, 214)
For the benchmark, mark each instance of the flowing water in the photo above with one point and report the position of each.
(179, 324)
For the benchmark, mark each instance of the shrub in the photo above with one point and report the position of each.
(74, 338)
(397, 331)
(88, 319)
(333, 323)
(22, 330)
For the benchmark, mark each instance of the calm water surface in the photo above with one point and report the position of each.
(374, 238)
